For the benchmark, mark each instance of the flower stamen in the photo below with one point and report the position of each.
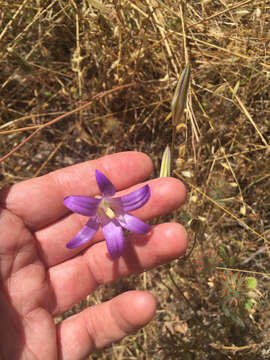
(105, 208)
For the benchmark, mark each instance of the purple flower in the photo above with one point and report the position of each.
(112, 214)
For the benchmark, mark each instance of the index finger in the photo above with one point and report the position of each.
(39, 201)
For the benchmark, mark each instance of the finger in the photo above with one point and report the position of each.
(74, 279)
(40, 201)
(167, 194)
(102, 324)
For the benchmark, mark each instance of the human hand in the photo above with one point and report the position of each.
(41, 278)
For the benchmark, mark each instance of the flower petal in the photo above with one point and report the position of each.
(132, 201)
(132, 223)
(104, 184)
(86, 234)
(84, 205)
(114, 237)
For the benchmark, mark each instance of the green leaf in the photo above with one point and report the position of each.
(248, 305)
(222, 252)
(251, 282)
(231, 261)
(184, 217)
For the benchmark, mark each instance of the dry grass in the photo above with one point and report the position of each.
(59, 56)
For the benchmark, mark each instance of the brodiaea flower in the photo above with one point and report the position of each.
(112, 214)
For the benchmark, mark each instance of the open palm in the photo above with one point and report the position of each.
(40, 278)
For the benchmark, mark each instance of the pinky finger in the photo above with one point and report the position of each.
(100, 325)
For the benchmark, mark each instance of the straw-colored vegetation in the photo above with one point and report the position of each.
(94, 77)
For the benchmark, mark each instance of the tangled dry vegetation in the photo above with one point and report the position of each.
(93, 77)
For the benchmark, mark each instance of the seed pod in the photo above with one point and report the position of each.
(165, 168)
(180, 95)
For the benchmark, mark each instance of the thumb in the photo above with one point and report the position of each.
(102, 324)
